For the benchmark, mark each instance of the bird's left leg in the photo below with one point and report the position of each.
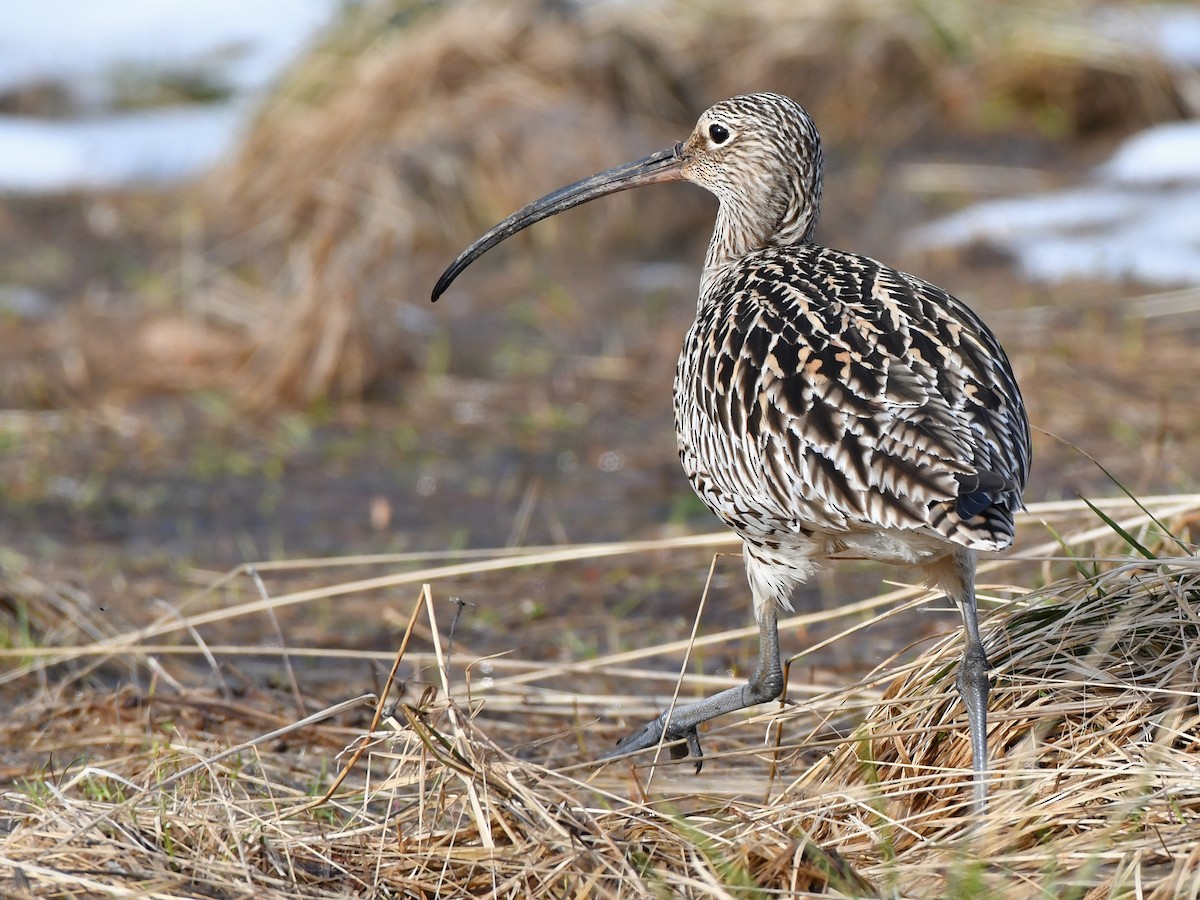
(768, 585)
(680, 722)
(955, 574)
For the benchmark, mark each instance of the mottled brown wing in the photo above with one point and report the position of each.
(832, 392)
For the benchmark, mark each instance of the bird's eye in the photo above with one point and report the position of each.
(718, 133)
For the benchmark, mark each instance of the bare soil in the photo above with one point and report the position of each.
(544, 419)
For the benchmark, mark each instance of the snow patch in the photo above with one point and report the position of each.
(83, 48)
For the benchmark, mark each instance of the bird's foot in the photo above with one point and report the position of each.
(682, 741)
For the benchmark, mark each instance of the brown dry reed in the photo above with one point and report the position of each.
(852, 788)
(417, 125)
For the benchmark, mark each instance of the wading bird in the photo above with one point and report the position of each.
(824, 403)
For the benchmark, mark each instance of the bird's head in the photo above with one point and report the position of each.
(758, 153)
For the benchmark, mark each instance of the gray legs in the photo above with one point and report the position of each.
(973, 688)
(956, 576)
(766, 683)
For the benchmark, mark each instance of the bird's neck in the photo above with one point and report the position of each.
(742, 229)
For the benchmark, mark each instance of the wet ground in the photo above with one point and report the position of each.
(538, 414)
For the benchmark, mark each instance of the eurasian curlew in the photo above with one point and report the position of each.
(824, 402)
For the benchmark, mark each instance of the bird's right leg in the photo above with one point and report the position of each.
(955, 574)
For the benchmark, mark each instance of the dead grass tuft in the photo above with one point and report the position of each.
(1095, 723)
(416, 126)
(182, 790)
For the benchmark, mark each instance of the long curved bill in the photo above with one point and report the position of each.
(665, 165)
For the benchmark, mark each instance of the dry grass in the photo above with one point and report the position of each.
(417, 126)
(146, 758)
(177, 790)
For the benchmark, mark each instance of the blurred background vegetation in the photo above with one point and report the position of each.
(249, 366)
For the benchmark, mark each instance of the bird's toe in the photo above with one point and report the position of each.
(683, 742)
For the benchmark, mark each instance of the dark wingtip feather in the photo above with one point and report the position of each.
(978, 491)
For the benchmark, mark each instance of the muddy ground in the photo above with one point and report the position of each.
(534, 409)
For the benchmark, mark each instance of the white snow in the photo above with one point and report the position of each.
(1158, 155)
(155, 146)
(84, 46)
(1137, 216)
(1171, 30)
(77, 42)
